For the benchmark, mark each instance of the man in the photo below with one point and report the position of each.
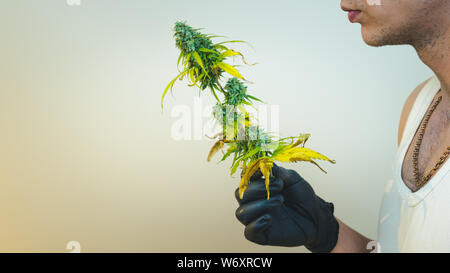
(415, 213)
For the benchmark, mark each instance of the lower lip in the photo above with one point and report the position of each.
(353, 16)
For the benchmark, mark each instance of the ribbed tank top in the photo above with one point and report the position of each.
(416, 221)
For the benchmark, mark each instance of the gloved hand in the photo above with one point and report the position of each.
(293, 216)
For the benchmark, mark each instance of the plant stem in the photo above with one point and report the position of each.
(221, 88)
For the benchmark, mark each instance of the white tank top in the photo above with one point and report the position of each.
(416, 221)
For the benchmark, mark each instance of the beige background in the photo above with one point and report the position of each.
(86, 155)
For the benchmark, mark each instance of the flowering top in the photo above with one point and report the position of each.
(236, 92)
(188, 39)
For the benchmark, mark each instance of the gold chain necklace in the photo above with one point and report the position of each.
(422, 181)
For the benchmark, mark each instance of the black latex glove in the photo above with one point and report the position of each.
(293, 216)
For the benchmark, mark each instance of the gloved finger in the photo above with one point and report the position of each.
(288, 176)
(256, 231)
(251, 211)
(257, 175)
(256, 190)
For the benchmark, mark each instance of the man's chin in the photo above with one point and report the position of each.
(373, 43)
(372, 39)
(385, 37)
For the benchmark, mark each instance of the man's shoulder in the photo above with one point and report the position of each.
(407, 108)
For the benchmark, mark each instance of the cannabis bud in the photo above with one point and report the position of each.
(252, 148)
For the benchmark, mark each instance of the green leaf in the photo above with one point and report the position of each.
(214, 36)
(192, 77)
(252, 152)
(214, 94)
(179, 59)
(170, 85)
(221, 47)
(218, 89)
(235, 157)
(198, 59)
(235, 166)
(209, 51)
(200, 78)
(254, 98)
(236, 160)
(227, 154)
(213, 58)
(196, 71)
(235, 41)
(198, 29)
(186, 60)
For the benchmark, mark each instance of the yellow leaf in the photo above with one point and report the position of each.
(301, 139)
(215, 136)
(301, 154)
(215, 148)
(230, 70)
(265, 166)
(231, 52)
(251, 168)
(312, 161)
(170, 86)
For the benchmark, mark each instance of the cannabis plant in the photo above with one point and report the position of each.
(204, 64)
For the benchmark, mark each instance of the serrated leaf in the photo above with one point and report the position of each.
(301, 154)
(301, 140)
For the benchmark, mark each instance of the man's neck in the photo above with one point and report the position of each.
(436, 55)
